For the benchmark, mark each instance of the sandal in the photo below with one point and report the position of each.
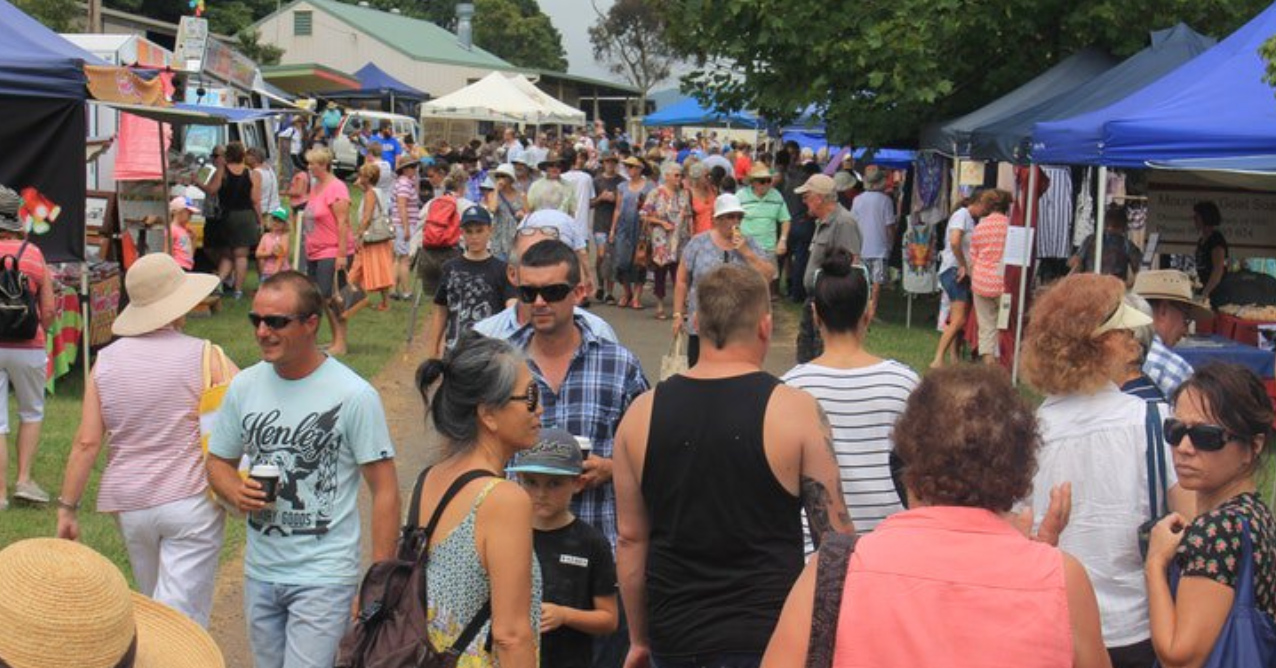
(662, 316)
(637, 305)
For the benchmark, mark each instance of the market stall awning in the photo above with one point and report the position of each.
(1216, 105)
(308, 78)
(196, 114)
(37, 62)
(375, 82)
(892, 158)
(690, 112)
(1010, 139)
(561, 112)
(494, 98)
(952, 137)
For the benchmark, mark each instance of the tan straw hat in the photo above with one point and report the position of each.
(760, 172)
(63, 605)
(1170, 285)
(159, 293)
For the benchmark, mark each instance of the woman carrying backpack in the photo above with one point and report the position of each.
(23, 361)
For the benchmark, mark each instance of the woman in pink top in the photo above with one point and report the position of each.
(145, 393)
(951, 581)
(987, 246)
(328, 237)
(23, 364)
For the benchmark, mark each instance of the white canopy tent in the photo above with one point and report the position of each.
(499, 98)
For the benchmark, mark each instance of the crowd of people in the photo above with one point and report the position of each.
(580, 516)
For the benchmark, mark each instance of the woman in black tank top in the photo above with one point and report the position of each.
(238, 191)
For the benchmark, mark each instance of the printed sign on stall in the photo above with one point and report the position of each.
(1248, 216)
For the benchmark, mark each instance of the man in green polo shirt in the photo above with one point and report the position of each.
(766, 217)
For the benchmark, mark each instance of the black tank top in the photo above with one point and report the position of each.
(236, 193)
(726, 536)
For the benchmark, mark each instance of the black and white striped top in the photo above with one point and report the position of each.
(862, 406)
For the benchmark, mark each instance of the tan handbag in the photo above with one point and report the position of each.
(676, 361)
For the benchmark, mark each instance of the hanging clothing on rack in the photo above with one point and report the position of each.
(1083, 221)
(1053, 240)
(918, 261)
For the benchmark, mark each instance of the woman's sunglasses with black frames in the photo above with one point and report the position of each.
(532, 397)
(1205, 437)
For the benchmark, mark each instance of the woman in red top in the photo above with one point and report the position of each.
(703, 195)
(987, 246)
(23, 364)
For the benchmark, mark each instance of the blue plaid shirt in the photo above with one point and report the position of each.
(602, 380)
(1165, 367)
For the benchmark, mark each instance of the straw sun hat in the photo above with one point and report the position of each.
(159, 293)
(63, 605)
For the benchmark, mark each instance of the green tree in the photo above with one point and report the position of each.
(883, 68)
(57, 15)
(518, 31)
(248, 42)
(630, 38)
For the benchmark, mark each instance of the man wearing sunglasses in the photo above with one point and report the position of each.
(1169, 291)
(586, 383)
(323, 427)
(505, 324)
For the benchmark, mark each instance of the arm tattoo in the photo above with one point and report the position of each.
(815, 499)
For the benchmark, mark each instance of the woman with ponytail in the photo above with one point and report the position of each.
(486, 407)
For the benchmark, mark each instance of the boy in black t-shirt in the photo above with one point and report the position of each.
(579, 573)
(471, 287)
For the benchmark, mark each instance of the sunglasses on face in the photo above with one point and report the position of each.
(551, 232)
(1206, 437)
(532, 397)
(274, 322)
(550, 293)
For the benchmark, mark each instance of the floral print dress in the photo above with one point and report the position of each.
(1211, 548)
(674, 207)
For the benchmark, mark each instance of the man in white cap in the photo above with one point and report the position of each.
(1169, 291)
(835, 227)
(875, 212)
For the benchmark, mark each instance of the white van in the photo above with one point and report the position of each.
(346, 154)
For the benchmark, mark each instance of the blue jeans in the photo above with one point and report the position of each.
(296, 626)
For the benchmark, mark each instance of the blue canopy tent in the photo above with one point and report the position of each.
(42, 94)
(690, 112)
(892, 158)
(1215, 105)
(952, 137)
(1010, 139)
(394, 95)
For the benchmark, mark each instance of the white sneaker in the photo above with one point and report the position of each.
(31, 492)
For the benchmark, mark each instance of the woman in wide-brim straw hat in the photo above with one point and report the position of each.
(145, 391)
(626, 230)
(62, 605)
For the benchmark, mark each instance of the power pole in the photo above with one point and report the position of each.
(95, 16)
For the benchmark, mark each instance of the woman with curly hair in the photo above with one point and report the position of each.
(979, 591)
(1100, 439)
(1227, 556)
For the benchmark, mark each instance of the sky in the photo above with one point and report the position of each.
(573, 19)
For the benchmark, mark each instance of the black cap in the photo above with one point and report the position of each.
(476, 214)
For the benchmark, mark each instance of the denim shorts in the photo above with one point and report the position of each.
(956, 291)
(297, 626)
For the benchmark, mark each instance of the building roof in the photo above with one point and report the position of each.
(608, 87)
(414, 38)
(308, 78)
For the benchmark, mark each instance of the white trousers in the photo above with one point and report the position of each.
(173, 549)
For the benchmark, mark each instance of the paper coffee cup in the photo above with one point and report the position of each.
(585, 445)
(266, 475)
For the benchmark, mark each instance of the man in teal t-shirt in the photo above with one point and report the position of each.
(323, 427)
(764, 212)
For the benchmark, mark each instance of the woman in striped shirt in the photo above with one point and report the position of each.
(987, 247)
(861, 394)
(145, 392)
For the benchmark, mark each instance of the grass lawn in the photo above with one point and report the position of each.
(375, 339)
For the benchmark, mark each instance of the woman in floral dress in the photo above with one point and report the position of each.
(668, 215)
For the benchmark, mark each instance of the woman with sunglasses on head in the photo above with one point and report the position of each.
(144, 390)
(487, 408)
(1100, 440)
(1225, 559)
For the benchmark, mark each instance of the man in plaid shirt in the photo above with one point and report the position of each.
(586, 384)
(1169, 291)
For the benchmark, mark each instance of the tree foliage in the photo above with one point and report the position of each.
(518, 31)
(248, 42)
(882, 68)
(57, 15)
(630, 38)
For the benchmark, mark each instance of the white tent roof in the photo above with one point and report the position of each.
(569, 115)
(495, 97)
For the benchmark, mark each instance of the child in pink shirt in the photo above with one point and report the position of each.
(272, 251)
(179, 215)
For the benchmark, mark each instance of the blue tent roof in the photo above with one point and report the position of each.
(953, 136)
(1010, 139)
(375, 81)
(893, 158)
(1250, 164)
(1215, 105)
(37, 62)
(689, 112)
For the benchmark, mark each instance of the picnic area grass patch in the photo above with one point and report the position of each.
(376, 338)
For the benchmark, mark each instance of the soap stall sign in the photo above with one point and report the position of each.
(1249, 216)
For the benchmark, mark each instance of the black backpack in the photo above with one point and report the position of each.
(392, 628)
(19, 312)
